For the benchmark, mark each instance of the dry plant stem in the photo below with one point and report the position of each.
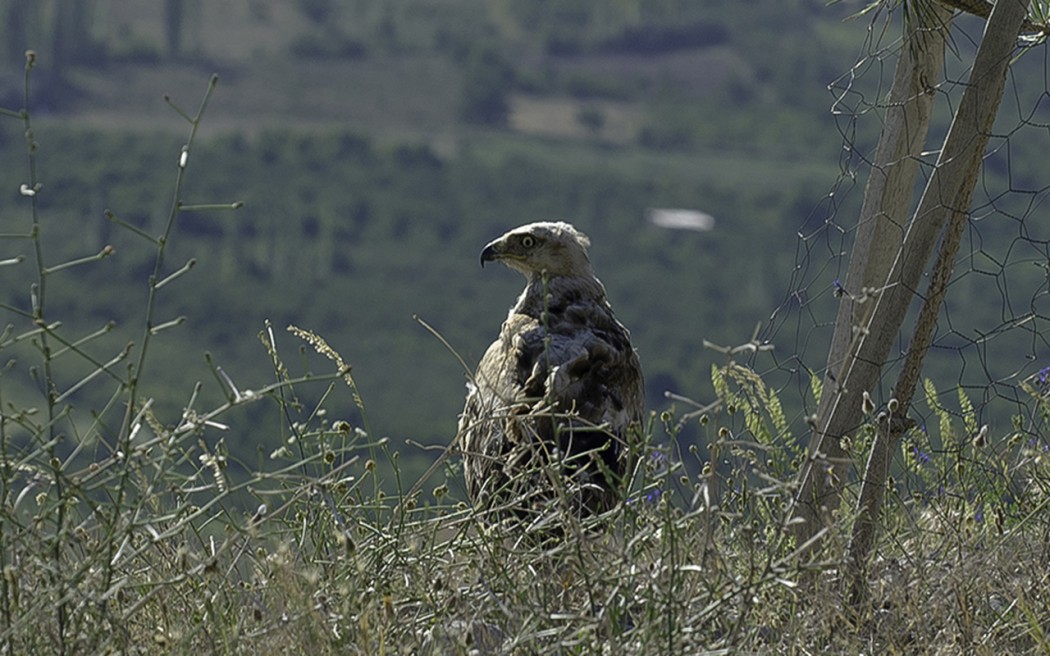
(162, 241)
(39, 296)
(946, 198)
(851, 368)
(128, 426)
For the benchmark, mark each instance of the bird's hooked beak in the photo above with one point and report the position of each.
(490, 253)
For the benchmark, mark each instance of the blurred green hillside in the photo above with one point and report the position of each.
(379, 144)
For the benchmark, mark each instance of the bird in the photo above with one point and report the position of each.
(554, 411)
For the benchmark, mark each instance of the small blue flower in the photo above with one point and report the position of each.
(651, 497)
(1043, 377)
(921, 457)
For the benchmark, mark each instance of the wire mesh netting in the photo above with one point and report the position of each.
(980, 410)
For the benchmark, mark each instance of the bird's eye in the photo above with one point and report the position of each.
(528, 241)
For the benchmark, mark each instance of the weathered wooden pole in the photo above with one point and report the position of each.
(879, 236)
(946, 200)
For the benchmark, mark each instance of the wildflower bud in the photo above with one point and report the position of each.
(260, 512)
(866, 404)
(370, 465)
(184, 157)
(893, 405)
(981, 438)
(666, 416)
(704, 419)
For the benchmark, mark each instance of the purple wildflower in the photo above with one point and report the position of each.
(921, 457)
(648, 498)
(1043, 377)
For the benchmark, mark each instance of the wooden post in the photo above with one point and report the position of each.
(879, 237)
(946, 200)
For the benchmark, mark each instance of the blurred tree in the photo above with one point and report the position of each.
(318, 12)
(17, 18)
(173, 10)
(71, 37)
(592, 119)
(488, 80)
(182, 27)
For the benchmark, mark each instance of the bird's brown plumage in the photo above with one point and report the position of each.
(557, 401)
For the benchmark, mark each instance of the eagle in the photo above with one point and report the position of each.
(555, 408)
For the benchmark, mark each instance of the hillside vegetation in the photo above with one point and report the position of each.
(377, 148)
(369, 187)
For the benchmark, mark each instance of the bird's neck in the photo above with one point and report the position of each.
(541, 292)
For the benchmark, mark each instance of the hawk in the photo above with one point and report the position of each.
(555, 408)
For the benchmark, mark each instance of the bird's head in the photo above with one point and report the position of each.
(556, 248)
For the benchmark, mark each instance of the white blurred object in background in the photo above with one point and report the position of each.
(680, 219)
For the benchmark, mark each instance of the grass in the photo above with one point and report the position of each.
(123, 531)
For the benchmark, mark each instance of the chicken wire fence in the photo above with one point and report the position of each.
(987, 373)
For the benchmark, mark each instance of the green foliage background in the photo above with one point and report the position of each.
(372, 172)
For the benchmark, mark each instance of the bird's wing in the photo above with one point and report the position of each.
(570, 382)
